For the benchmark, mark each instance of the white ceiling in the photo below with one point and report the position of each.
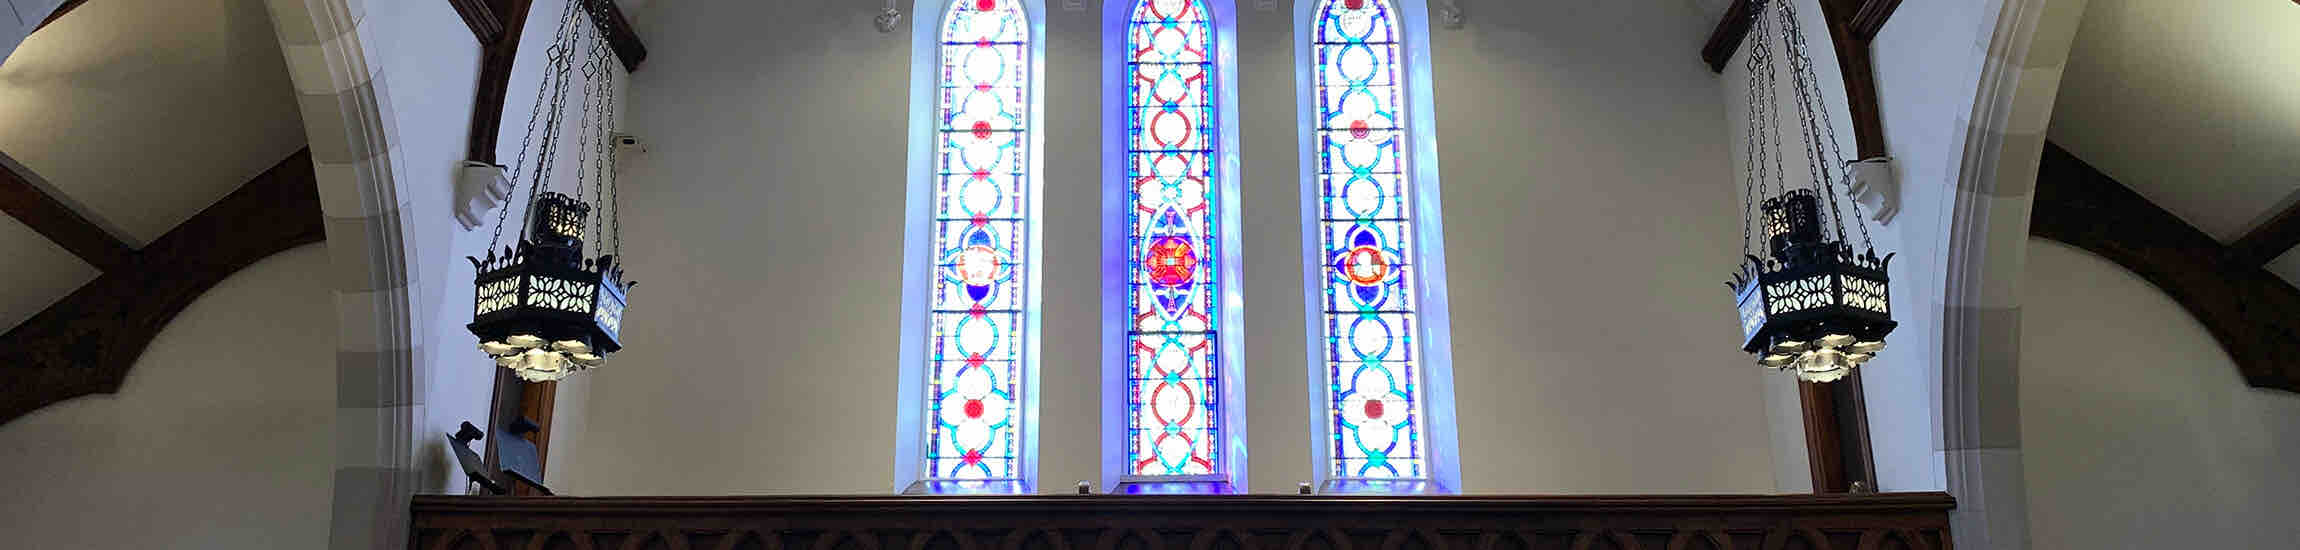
(139, 113)
(2196, 105)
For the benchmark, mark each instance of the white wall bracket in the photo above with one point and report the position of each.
(1451, 15)
(887, 20)
(479, 188)
(1873, 185)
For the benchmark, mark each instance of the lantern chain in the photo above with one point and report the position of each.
(562, 66)
(1799, 67)
(526, 141)
(1818, 127)
(1749, 170)
(1770, 141)
(587, 135)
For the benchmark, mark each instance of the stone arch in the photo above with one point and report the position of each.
(1986, 247)
(340, 90)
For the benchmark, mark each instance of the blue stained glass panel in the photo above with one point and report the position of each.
(1365, 207)
(980, 238)
(1173, 242)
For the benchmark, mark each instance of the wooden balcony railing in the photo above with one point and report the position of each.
(1913, 521)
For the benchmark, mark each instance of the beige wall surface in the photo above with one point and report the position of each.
(221, 437)
(2154, 441)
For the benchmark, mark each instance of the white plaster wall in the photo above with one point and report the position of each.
(219, 438)
(1585, 162)
(2154, 442)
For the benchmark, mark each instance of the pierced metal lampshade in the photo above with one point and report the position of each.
(1815, 306)
(543, 310)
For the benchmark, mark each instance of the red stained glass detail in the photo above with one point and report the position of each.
(974, 408)
(1365, 266)
(989, 5)
(981, 129)
(1354, 4)
(1373, 408)
(1359, 129)
(1172, 261)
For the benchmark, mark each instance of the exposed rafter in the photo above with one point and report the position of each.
(1731, 31)
(2253, 313)
(2268, 241)
(85, 343)
(483, 16)
(30, 204)
(67, 7)
(617, 29)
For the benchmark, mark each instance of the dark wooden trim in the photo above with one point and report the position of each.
(30, 204)
(480, 16)
(85, 343)
(61, 9)
(1853, 62)
(1824, 441)
(1185, 522)
(496, 58)
(2253, 313)
(620, 36)
(1731, 31)
(1870, 18)
(2273, 238)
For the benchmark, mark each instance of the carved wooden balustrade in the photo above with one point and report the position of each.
(1913, 521)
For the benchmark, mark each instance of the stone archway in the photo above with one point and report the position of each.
(1986, 249)
(354, 144)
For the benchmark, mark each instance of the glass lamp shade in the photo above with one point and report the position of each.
(542, 310)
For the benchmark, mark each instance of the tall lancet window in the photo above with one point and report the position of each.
(1377, 295)
(973, 250)
(1175, 191)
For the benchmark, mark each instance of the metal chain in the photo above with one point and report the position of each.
(583, 132)
(614, 217)
(548, 157)
(526, 140)
(1749, 167)
(1773, 143)
(1811, 101)
(597, 146)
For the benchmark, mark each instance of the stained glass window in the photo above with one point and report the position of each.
(981, 191)
(1173, 403)
(1372, 361)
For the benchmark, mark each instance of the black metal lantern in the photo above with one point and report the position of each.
(1808, 300)
(544, 307)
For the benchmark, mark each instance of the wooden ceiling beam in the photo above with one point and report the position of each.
(32, 205)
(67, 7)
(1731, 31)
(1862, 19)
(2254, 314)
(2279, 235)
(85, 343)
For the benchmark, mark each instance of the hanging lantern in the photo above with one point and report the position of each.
(1809, 301)
(544, 307)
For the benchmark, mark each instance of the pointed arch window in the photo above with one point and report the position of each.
(1174, 367)
(971, 282)
(1378, 325)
